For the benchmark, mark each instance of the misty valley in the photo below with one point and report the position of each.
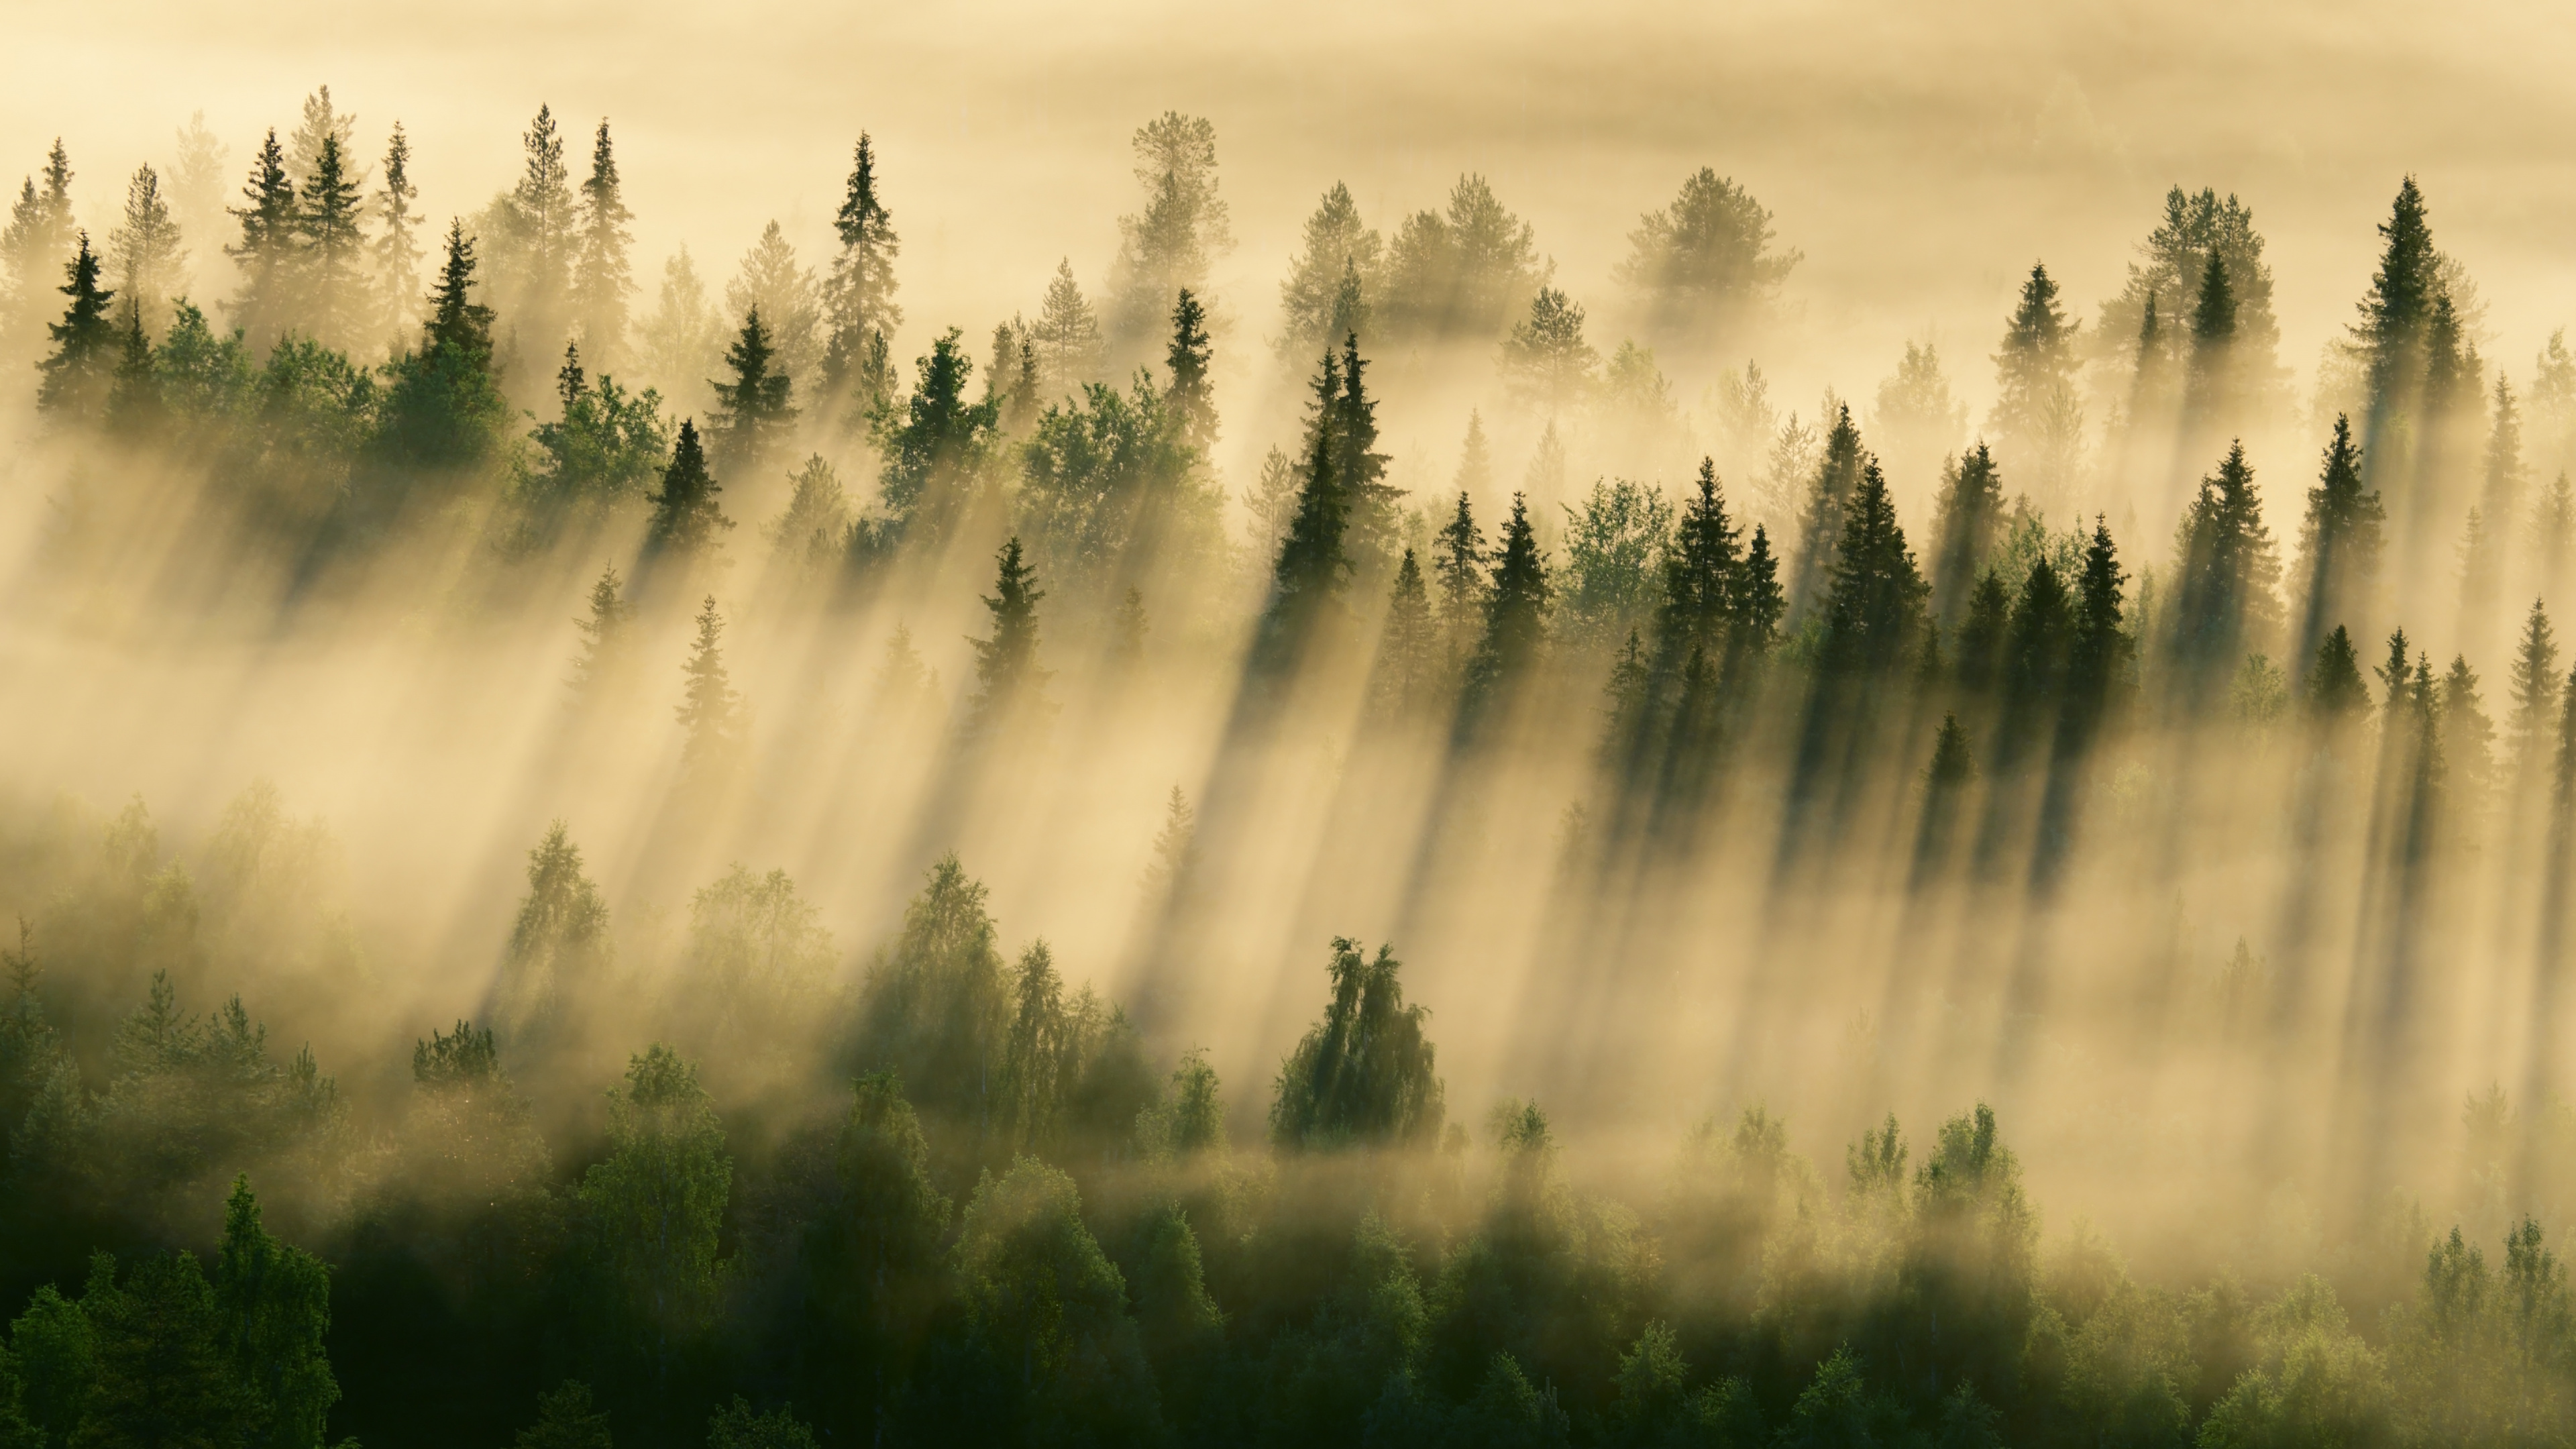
(607, 853)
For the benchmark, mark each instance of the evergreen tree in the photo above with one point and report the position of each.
(710, 708)
(1191, 396)
(38, 237)
(2466, 732)
(543, 223)
(559, 944)
(397, 249)
(2334, 688)
(267, 254)
(1760, 602)
(2036, 415)
(1009, 685)
(686, 517)
(1314, 562)
(1820, 522)
(2208, 392)
(788, 298)
(858, 299)
(1363, 1076)
(168, 1360)
(1410, 659)
(603, 278)
(753, 411)
(1702, 579)
(566, 1419)
(2341, 536)
(331, 248)
(1968, 521)
(1325, 293)
(1066, 337)
(1168, 246)
(2398, 309)
(1516, 606)
(2099, 657)
(1359, 470)
(1873, 611)
(1703, 267)
(150, 262)
(2225, 576)
(1458, 575)
(652, 1211)
(443, 408)
(1545, 359)
(274, 1302)
(2396, 678)
(2534, 684)
(935, 446)
(603, 636)
(85, 343)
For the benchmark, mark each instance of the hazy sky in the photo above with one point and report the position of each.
(1921, 156)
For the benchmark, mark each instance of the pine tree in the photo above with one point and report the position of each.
(1704, 265)
(1954, 762)
(1314, 562)
(2500, 493)
(543, 220)
(83, 363)
(935, 445)
(1874, 610)
(2398, 312)
(1760, 602)
(457, 323)
(1545, 359)
(2225, 578)
(2394, 676)
(1325, 293)
(1183, 228)
(38, 237)
(1359, 469)
(2334, 688)
(2341, 536)
(150, 262)
(267, 254)
(1701, 578)
(1458, 574)
(275, 1305)
(1191, 396)
(686, 518)
(2035, 414)
(2098, 660)
(858, 299)
(443, 409)
(1980, 635)
(1009, 685)
(603, 636)
(1410, 659)
(397, 248)
(330, 248)
(753, 410)
(1967, 521)
(603, 277)
(1515, 614)
(2466, 732)
(1820, 523)
(2534, 686)
(1067, 338)
(710, 710)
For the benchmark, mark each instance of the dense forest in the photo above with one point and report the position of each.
(2063, 806)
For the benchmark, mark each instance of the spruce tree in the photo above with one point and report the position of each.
(83, 362)
(1967, 520)
(603, 636)
(686, 518)
(1701, 568)
(935, 445)
(1515, 614)
(1820, 521)
(2500, 492)
(603, 277)
(1359, 470)
(1409, 654)
(1314, 561)
(1458, 575)
(1066, 337)
(2534, 688)
(2037, 644)
(710, 710)
(753, 411)
(2224, 585)
(858, 298)
(2467, 733)
(2395, 677)
(2098, 660)
(275, 1305)
(1760, 602)
(2034, 381)
(2397, 312)
(397, 248)
(1980, 636)
(2335, 692)
(543, 220)
(2341, 535)
(267, 252)
(1954, 761)
(2211, 380)
(1191, 396)
(330, 256)
(1874, 609)
(1009, 685)
(38, 236)
(443, 409)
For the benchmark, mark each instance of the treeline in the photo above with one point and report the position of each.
(1013, 1228)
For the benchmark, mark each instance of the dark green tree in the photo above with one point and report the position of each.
(168, 1374)
(2340, 537)
(82, 366)
(2100, 653)
(274, 1302)
(1820, 521)
(2334, 689)
(1458, 566)
(566, 1419)
(1364, 1075)
(1010, 688)
(753, 411)
(2396, 314)
(1314, 563)
(1516, 608)
(267, 253)
(443, 409)
(602, 276)
(934, 446)
(1874, 609)
(331, 259)
(653, 1210)
(2210, 383)
(1967, 522)
(1359, 470)
(2224, 579)
(686, 517)
(859, 310)
(603, 636)
(1191, 395)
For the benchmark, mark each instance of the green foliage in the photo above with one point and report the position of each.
(1612, 547)
(934, 445)
(1704, 265)
(753, 411)
(686, 520)
(274, 1306)
(735, 1426)
(1010, 688)
(566, 1420)
(1043, 1299)
(1873, 613)
(85, 342)
(170, 1360)
(938, 1007)
(1363, 1075)
(652, 1210)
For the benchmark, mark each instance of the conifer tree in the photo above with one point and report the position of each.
(443, 408)
(397, 248)
(2396, 315)
(1760, 602)
(1009, 686)
(1516, 606)
(2335, 692)
(267, 253)
(710, 709)
(1981, 632)
(1703, 266)
(2341, 535)
(1410, 659)
(1458, 575)
(603, 277)
(753, 410)
(167, 1371)
(935, 445)
(2395, 677)
(38, 237)
(2211, 380)
(1968, 519)
(2036, 415)
(1701, 579)
(1128, 627)
(150, 262)
(2224, 581)
(275, 1305)
(789, 300)
(543, 219)
(1874, 610)
(1953, 768)
(2534, 686)
(2099, 655)
(330, 248)
(686, 518)
(1359, 470)
(1324, 295)
(1314, 561)
(83, 362)
(1190, 395)
(1183, 228)
(1067, 338)
(2466, 732)
(1545, 359)
(858, 298)
(567, 1419)
(2500, 492)
(603, 635)
(1820, 521)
